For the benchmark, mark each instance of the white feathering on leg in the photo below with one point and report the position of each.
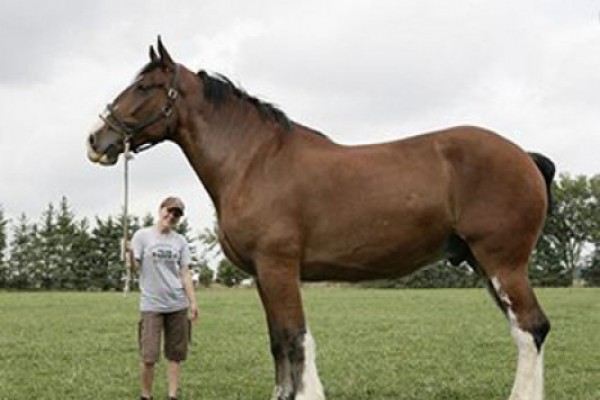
(527, 384)
(312, 389)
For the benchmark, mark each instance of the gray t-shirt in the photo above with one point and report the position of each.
(161, 258)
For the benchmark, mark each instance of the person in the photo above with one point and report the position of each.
(167, 295)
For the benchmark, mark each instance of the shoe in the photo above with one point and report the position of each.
(145, 398)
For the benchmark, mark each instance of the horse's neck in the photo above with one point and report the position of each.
(222, 146)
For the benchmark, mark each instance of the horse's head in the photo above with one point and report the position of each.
(142, 114)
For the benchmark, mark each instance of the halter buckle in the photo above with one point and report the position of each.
(172, 94)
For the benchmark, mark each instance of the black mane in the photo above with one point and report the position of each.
(219, 88)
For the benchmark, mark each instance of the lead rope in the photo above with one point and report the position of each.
(126, 260)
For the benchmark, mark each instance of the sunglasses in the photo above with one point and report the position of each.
(176, 212)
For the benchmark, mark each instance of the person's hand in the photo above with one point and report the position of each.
(194, 313)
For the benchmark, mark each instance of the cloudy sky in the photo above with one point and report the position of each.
(359, 71)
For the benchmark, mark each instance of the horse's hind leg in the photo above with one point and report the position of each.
(509, 285)
(529, 327)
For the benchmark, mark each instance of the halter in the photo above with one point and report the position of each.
(128, 130)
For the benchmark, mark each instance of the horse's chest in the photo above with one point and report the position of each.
(235, 252)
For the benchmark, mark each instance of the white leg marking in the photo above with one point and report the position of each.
(538, 383)
(529, 381)
(312, 389)
(503, 296)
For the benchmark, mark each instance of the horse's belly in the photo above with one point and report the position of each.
(373, 259)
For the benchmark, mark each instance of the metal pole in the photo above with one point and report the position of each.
(125, 258)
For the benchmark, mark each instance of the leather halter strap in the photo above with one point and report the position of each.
(128, 130)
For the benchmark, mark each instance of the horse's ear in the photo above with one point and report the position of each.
(153, 56)
(165, 58)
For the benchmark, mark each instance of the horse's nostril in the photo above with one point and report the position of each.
(91, 140)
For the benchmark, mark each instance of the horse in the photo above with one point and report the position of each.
(292, 205)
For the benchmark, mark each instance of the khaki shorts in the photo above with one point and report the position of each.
(177, 332)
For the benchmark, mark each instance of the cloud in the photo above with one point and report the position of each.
(362, 72)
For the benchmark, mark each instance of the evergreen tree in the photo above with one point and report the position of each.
(82, 278)
(104, 258)
(66, 232)
(183, 228)
(35, 266)
(209, 240)
(148, 220)
(20, 257)
(227, 273)
(3, 248)
(47, 249)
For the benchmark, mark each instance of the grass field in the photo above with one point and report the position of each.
(372, 344)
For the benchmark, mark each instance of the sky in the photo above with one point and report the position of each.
(358, 71)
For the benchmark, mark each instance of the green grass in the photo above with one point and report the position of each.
(372, 344)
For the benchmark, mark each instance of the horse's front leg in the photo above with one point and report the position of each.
(292, 345)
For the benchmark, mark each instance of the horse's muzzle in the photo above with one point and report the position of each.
(109, 156)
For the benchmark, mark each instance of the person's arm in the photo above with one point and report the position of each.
(186, 277)
(130, 260)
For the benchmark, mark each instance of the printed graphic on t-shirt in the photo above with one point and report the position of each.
(162, 254)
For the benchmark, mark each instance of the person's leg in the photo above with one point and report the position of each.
(147, 377)
(150, 330)
(173, 372)
(177, 333)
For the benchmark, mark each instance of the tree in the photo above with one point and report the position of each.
(148, 220)
(104, 257)
(559, 258)
(227, 273)
(183, 228)
(20, 257)
(206, 275)
(230, 275)
(210, 239)
(47, 250)
(592, 273)
(3, 248)
(68, 271)
(82, 277)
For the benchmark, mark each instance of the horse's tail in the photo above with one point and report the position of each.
(548, 169)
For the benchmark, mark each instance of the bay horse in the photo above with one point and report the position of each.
(294, 206)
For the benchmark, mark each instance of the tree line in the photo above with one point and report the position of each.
(60, 251)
